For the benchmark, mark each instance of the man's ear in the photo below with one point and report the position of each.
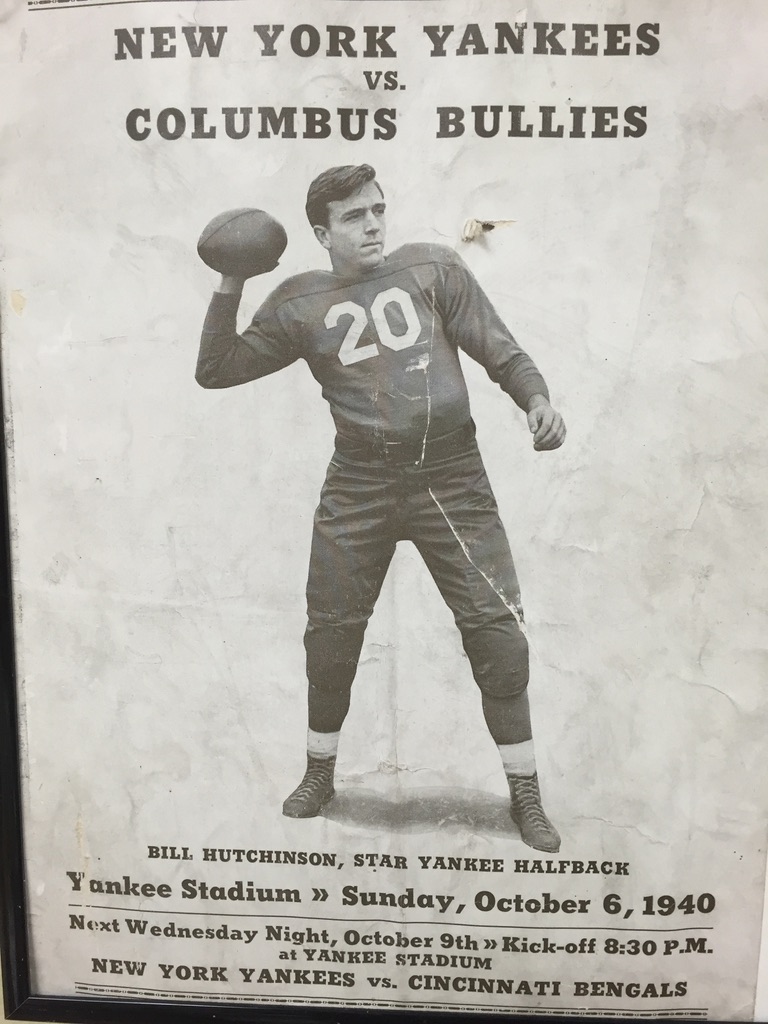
(321, 234)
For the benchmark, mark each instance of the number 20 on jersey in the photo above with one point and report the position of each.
(349, 352)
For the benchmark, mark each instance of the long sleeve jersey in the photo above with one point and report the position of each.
(383, 346)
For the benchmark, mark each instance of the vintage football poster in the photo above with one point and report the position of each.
(384, 390)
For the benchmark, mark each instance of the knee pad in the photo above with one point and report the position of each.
(498, 654)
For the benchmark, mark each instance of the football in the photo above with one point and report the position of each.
(242, 243)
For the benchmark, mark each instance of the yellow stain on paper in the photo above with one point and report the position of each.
(18, 301)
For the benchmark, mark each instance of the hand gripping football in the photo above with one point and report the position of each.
(242, 243)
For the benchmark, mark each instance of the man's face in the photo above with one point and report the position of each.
(356, 231)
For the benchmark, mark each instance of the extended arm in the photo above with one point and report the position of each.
(227, 358)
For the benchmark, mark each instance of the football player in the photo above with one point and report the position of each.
(381, 335)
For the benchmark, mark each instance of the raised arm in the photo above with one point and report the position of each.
(227, 358)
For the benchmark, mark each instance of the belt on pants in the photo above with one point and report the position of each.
(402, 453)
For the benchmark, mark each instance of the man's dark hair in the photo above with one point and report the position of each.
(334, 184)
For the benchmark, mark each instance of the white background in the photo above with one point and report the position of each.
(163, 532)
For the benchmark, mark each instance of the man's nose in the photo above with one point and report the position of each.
(372, 225)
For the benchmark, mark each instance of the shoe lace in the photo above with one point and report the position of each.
(528, 801)
(316, 778)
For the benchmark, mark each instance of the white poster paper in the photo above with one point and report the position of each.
(612, 157)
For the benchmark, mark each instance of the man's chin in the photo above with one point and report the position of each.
(372, 256)
(362, 261)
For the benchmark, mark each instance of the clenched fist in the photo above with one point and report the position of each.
(546, 424)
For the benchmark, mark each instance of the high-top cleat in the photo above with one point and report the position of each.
(314, 791)
(536, 829)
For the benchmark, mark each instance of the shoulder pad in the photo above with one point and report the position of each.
(416, 253)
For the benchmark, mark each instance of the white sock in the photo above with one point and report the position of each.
(322, 745)
(518, 758)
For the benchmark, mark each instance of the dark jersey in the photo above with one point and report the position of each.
(383, 346)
